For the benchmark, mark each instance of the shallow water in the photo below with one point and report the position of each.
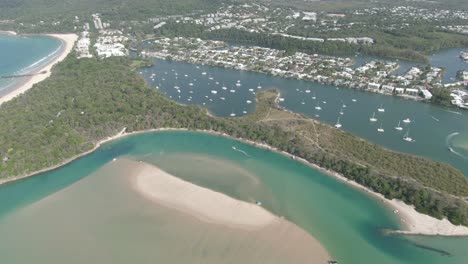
(346, 221)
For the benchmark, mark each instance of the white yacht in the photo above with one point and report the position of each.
(407, 137)
(259, 86)
(381, 109)
(407, 120)
(307, 91)
(398, 127)
(318, 107)
(248, 101)
(341, 111)
(338, 125)
(380, 129)
(354, 100)
(214, 91)
(373, 119)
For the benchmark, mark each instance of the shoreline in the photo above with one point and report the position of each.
(26, 83)
(413, 222)
(216, 208)
(200, 202)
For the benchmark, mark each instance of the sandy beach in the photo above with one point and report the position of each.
(202, 203)
(413, 222)
(261, 228)
(27, 83)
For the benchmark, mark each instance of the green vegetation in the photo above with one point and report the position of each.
(36, 10)
(441, 96)
(87, 100)
(398, 44)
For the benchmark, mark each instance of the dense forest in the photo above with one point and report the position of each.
(87, 100)
(35, 10)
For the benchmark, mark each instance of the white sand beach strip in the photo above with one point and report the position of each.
(68, 42)
(203, 203)
(421, 224)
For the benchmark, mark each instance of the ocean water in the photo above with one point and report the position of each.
(435, 129)
(346, 221)
(23, 54)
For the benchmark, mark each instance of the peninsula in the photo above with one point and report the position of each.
(433, 188)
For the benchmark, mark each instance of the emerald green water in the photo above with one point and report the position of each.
(346, 221)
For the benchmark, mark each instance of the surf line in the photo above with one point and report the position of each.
(241, 151)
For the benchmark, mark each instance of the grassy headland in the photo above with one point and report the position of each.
(87, 100)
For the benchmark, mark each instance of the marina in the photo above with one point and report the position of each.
(360, 107)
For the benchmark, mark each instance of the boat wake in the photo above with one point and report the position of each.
(453, 112)
(448, 140)
(241, 151)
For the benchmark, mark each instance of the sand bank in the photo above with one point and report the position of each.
(68, 40)
(203, 203)
(413, 221)
(270, 236)
(7, 32)
(422, 224)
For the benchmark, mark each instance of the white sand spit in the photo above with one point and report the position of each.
(68, 40)
(203, 203)
(418, 223)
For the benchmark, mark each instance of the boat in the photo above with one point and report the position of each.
(259, 86)
(380, 129)
(324, 102)
(354, 100)
(318, 107)
(313, 97)
(238, 84)
(464, 56)
(307, 91)
(232, 114)
(407, 120)
(302, 102)
(214, 91)
(191, 84)
(407, 137)
(210, 78)
(341, 111)
(222, 98)
(338, 125)
(381, 109)
(232, 91)
(251, 90)
(203, 73)
(224, 88)
(398, 127)
(248, 101)
(373, 119)
(281, 99)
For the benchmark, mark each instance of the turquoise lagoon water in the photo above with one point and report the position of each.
(433, 128)
(23, 54)
(346, 221)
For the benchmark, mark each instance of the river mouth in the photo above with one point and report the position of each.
(347, 222)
